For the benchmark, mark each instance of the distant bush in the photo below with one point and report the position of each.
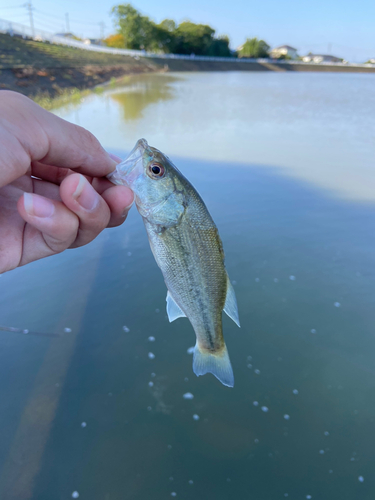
(116, 41)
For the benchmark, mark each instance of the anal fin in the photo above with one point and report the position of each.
(173, 310)
(230, 307)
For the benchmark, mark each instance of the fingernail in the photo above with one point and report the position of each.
(117, 159)
(38, 206)
(86, 195)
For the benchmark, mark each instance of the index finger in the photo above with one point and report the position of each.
(30, 133)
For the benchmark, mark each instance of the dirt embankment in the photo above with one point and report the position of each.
(42, 69)
(196, 65)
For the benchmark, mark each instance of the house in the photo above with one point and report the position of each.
(319, 58)
(284, 51)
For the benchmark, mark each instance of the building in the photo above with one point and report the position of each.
(284, 51)
(320, 58)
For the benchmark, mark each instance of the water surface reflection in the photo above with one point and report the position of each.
(301, 416)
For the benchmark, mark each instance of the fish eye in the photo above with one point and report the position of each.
(156, 170)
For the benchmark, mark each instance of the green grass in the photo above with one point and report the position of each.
(16, 52)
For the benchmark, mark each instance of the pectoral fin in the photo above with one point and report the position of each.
(173, 310)
(230, 307)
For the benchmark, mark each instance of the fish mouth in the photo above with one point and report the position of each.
(128, 170)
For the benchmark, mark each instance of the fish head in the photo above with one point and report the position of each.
(154, 180)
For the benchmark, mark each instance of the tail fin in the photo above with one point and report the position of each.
(217, 364)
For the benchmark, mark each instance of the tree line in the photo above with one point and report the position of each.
(138, 32)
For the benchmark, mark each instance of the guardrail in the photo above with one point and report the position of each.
(12, 29)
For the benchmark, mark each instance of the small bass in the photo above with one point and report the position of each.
(187, 248)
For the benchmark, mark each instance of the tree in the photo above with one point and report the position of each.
(138, 30)
(220, 47)
(193, 38)
(254, 48)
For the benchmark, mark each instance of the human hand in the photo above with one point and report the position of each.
(45, 207)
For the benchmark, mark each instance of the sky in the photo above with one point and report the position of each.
(341, 27)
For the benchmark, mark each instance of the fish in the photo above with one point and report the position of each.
(187, 247)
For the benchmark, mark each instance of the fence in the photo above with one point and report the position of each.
(12, 29)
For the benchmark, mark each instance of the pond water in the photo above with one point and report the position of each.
(285, 164)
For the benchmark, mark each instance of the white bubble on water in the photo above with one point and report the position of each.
(295, 391)
(171, 478)
(157, 311)
(257, 280)
(173, 494)
(287, 417)
(361, 479)
(249, 358)
(234, 282)
(256, 441)
(196, 417)
(110, 394)
(67, 330)
(326, 433)
(151, 384)
(151, 339)
(129, 254)
(186, 379)
(292, 278)
(153, 375)
(228, 479)
(337, 304)
(191, 481)
(151, 355)
(255, 403)
(313, 330)
(330, 471)
(83, 424)
(265, 409)
(190, 350)
(308, 497)
(169, 446)
(188, 395)
(276, 280)
(257, 371)
(75, 494)
(321, 452)
(286, 494)
(149, 408)
(126, 329)
(249, 365)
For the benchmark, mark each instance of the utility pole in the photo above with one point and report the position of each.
(30, 9)
(67, 27)
(102, 26)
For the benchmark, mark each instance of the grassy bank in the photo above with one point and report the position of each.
(45, 71)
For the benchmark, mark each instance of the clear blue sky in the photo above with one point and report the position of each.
(343, 27)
